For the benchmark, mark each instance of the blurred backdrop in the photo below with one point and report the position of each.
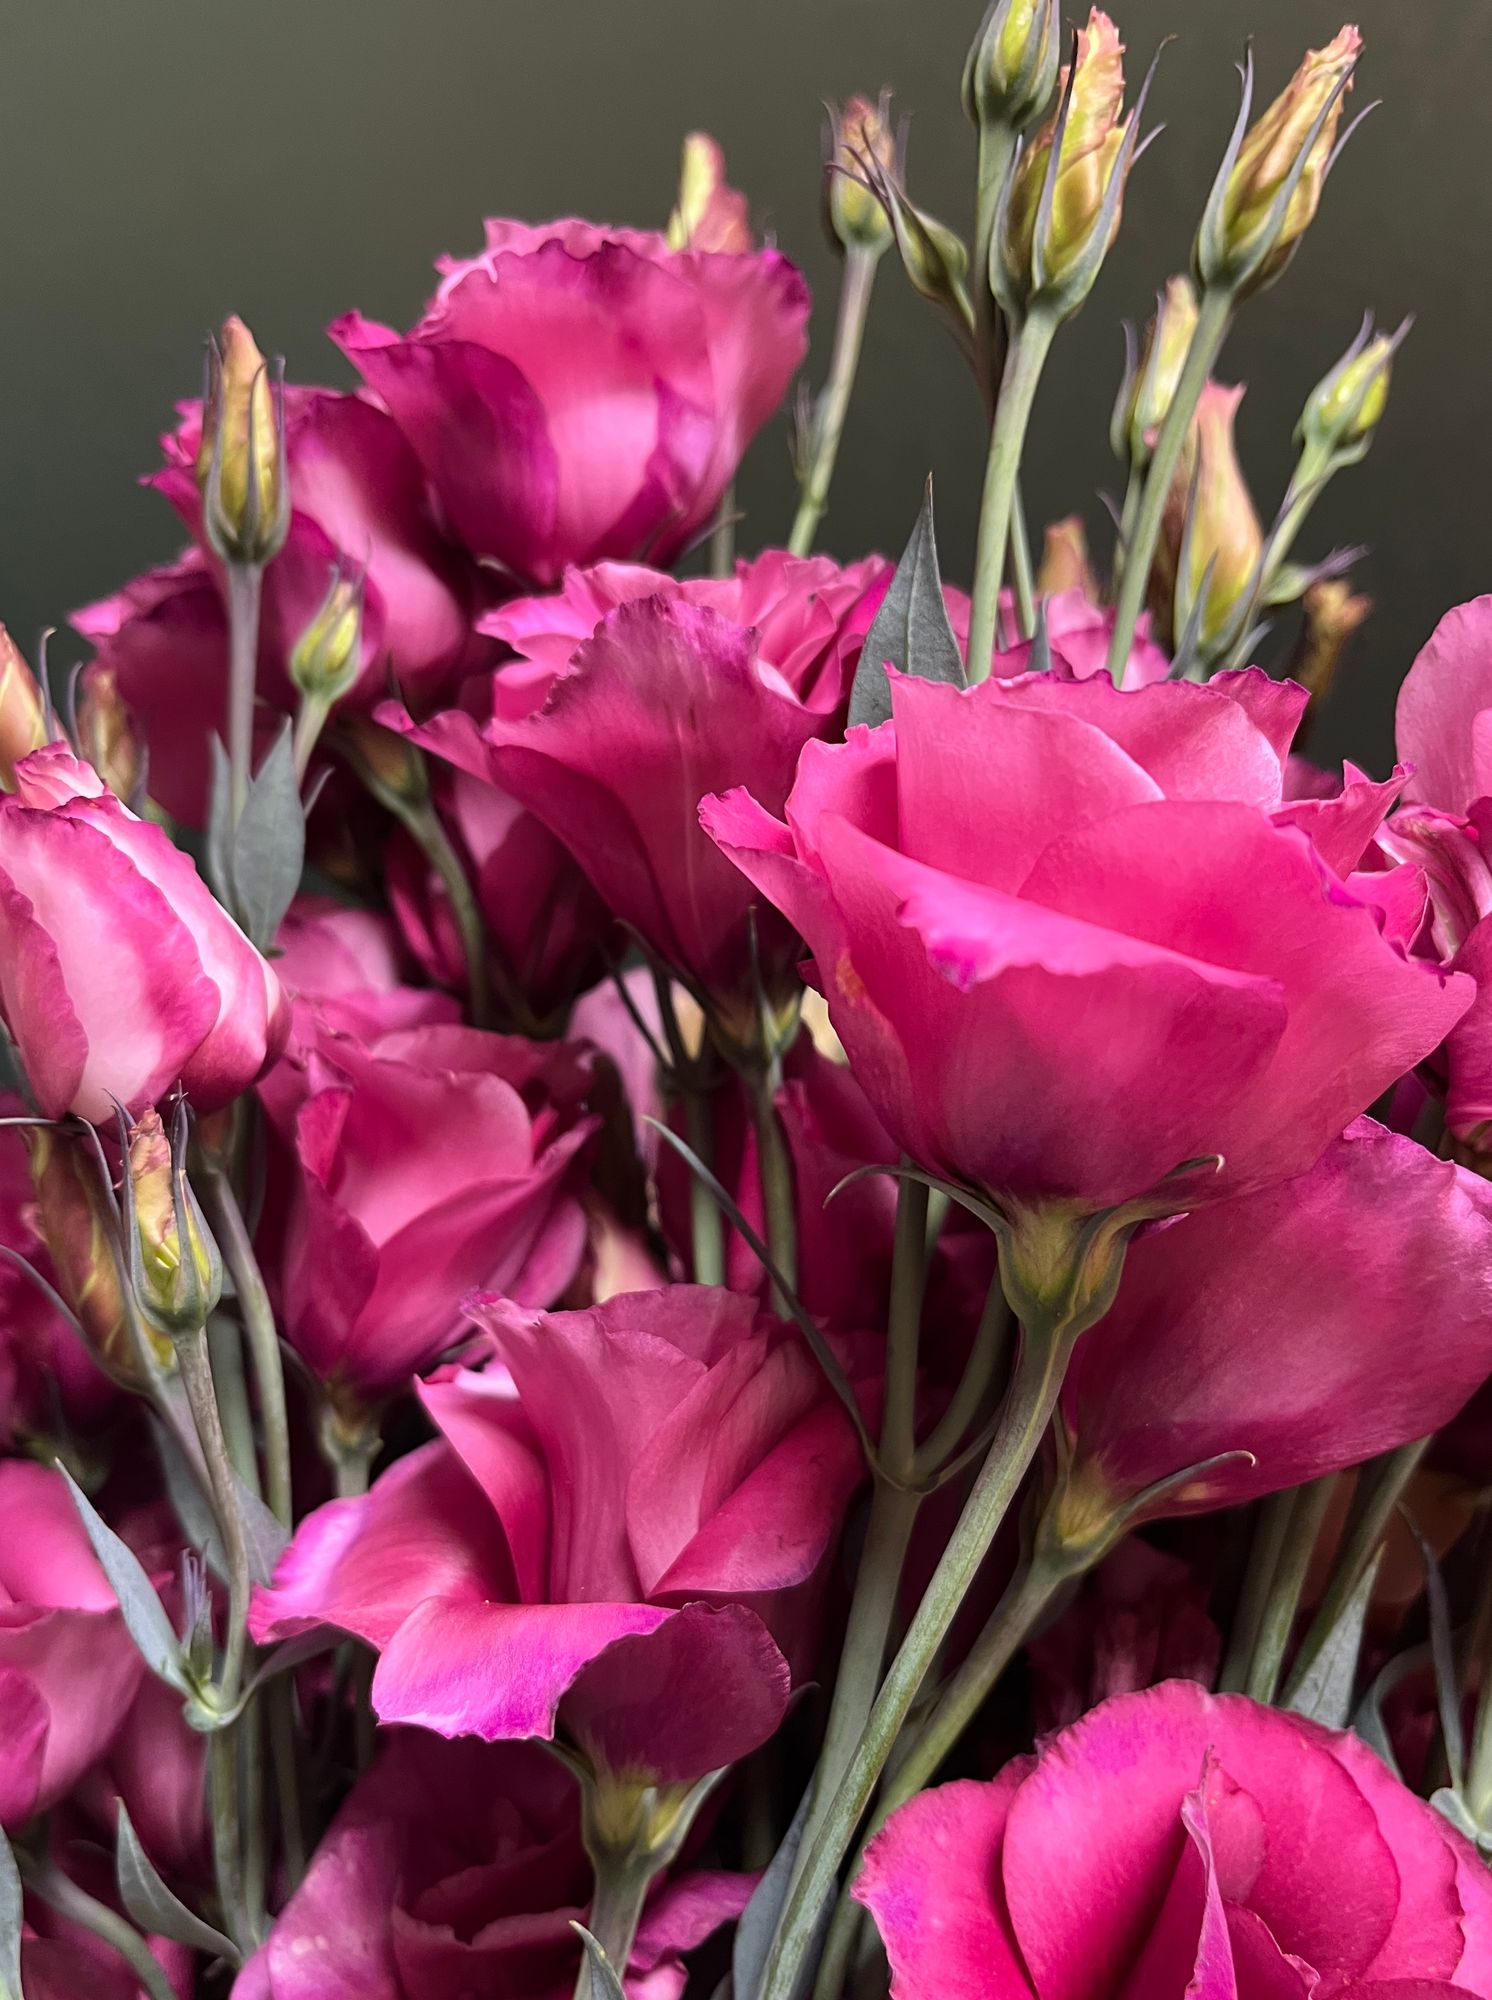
(168, 161)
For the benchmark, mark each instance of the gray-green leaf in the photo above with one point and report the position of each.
(10, 1923)
(144, 1615)
(154, 1907)
(911, 630)
(269, 845)
(604, 1982)
(1325, 1693)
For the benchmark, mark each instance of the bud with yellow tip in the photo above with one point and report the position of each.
(1012, 63)
(176, 1272)
(327, 657)
(23, 720)
(1332, 611)
(1269, 186)
(241, 471)
(709, 214)
(1211, 541)
(1150, 383)
(859, 145)
(1065, 563)
(1342, 412)
(78, 1224)
(106, 733)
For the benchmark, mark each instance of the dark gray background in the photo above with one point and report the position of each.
(167, 161)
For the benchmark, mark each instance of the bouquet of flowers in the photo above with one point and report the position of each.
(732, 1274)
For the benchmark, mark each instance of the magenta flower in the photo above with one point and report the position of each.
(1068, 947)
(457, 1868)
(351, 963)
(1181, 1846)
(414, 1164)
(576, 393)
(120, 975)
(634, 696)
(620, 1525)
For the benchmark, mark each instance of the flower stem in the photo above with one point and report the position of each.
(707, 1225)
(774, 1168)
(424, 823)
(245, 581)
(1307, 1510)
(834, 401)
(1270, 1529)
(263, 1338)
(723, 535)
(46, 1880)
(622, 1881)
(310, 720)
(1030, 344)
(1214, 317)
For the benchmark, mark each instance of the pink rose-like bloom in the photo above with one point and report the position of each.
(1069, 943)
(1178, 1845)
(576, 393)
(414, 1164)
(1273, 1325)
(350, 962)
(617, 1523)
(68, 1668)
(633, 697)
(120, 975)
(458, 1868)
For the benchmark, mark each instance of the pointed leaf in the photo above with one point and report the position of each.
(757, 1924)
(1368, 1722)
(156, 1909)
(1325, 1693)
(911, 629)
(264, 1536)
(604, 1984)
(144, 1615)
(269, 845)
(10, 1923)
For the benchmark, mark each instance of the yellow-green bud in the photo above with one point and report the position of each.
(328, 656)
(23, 722)
(241, 458)
(1210, 536)
(1331, 611)
(81, 1233)
(1343, 409)
(1065, 563)
(175, 1269)
(106, 733)
(1151, 388)
(859, 145)
(1270, 184)
(1012, 63)
(709, 214)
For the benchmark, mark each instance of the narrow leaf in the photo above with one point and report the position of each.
(1325, 1692)
(911, 630)
(604, 1981)
(1443, 1657)
(144, 1615)
(10, 1923)
(157, 1909)
(264, 1536)
(1368, 1722)
(757, 1924)
(269, 845)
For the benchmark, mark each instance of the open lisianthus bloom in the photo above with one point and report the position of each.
(1231, 1852)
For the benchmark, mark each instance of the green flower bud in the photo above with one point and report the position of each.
(1012, 63)
(1150, 386)
(859, 144)
(1344, 408)
(81, 1232)
(175, 1269)
(241, 458)
(327, 656)
(1211, 540)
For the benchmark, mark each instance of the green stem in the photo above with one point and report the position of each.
(723, 535)
(996, 151)
(988, 1363)
(622, 1882)
(1214, 316)
(285, 1752)
(310, 720)
(1040, 1368)
(201, 1392)
(264, 1342)
(249, 1730)
(1476, 1789)
(424, 823)
(1029, 346)
(1379, 1488)
(227, 1835)
(225, 1352)
(833, 404)
(1270, 1528)
(1021, 572)
(1307, 1511)
(774, 1168)
(244, 584)
(706, 1222)
(63, 1895)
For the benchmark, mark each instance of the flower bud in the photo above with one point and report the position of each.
(388, 764)
(80, 1229)
(1270, 183)
(1062, 201)
(859, 144)
(23, 721)
(175, 1269)
(934, 257)
(106, 733)
(1332, 612)
(328, 656)
(1012, 63)
(1065, 564)
(709, 214)
(1151, 385)
(1343, 409)
(241, 459)
(1211, 538)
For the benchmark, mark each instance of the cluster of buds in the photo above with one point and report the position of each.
(241, 472)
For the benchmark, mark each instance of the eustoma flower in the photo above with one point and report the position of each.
(1176, 1844)
(576, 393)
(120, 976)
(1069, 947)
(618, 1529)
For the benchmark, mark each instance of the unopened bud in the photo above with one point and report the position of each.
(388, 764)
(1062, 203)
(328, 656)
(1211, 536)
(241, 460)
(934, 257)
(1332, 612)
(1270, 184)
(1012, 63)
(1065, 564)
(78, 1224)
(23, 722)
(1151, 387)
(106, 733)
(175, 1269)
(709, 214)
(1343, 409)
(859, 144)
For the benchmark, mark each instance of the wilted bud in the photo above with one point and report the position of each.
(1211, 538)
(1150, 386)
(1012, 63)
(709, 214)
(1270, 183)
(23, 722)
(106, 733)
(859, 143)
(1332, 612)
(175, 1269)
(241, 459)
(1062, 202)
(1064, 561)
(80, 1229)
(327, 657)
(388, 764)
(1343, 409)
